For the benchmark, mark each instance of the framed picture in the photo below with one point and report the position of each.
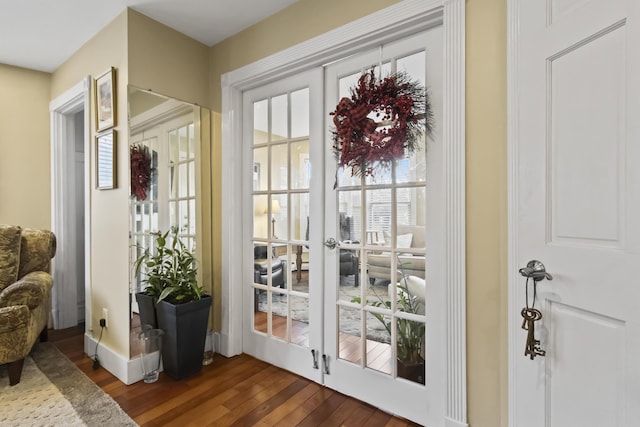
(106, 160)
(105, 100)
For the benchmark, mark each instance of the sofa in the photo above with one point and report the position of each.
(25, 293)
(408, 236)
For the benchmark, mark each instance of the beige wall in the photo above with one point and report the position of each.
(25, 171)
(486, 137)
(109, 219)
(486, 169)
(166, 61)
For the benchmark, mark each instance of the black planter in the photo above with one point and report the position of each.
(185, 328)
(147, 308)
(412, 371)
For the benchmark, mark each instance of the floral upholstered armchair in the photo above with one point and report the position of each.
(25, 293)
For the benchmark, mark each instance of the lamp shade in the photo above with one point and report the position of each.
(275, 206)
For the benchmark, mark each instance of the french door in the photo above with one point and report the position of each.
(283, 273)
(338, 314)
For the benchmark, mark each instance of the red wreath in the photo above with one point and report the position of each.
(401, 105)
(140, 171)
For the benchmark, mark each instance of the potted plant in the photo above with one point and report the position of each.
(181, 307)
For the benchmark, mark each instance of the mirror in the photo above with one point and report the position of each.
(167, 139)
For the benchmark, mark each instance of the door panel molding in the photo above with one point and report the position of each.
(397, 21)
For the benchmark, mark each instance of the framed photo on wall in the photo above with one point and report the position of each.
(106, 170)
(105, 100)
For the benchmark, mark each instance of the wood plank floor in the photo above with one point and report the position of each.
(237, 391)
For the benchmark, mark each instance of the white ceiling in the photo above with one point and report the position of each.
(42, 34)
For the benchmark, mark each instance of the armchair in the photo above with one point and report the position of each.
(25, 293)
(261, 267)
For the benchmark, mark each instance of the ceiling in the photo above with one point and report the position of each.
(42, 34)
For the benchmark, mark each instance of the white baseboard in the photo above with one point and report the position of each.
(126, 370)
(129, 371)
(448, 422)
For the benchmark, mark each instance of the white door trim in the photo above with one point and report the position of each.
(394, 22)
(64, 299)
(512, 199)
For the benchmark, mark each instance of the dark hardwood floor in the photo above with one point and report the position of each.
(237, 391)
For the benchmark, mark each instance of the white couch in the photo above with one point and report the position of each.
(379, 265)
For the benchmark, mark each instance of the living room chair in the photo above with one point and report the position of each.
(25, 293)
(261, 267)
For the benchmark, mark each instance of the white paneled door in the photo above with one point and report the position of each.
(576, 207)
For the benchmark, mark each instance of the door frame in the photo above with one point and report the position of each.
(62, 109)
(399, 20)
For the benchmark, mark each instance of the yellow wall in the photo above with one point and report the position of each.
(166, 61)
(486, 169)
(25, 148)
(486, 139)
(109, 219)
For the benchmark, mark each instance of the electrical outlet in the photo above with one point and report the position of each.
(105, 315)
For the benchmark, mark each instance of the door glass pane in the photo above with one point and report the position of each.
(191, 140)
(279, 121)
(413, 168)
(183, 218)
(378, 211)
(279, 217)
(382, 174)
(184, 143)
(300, 165)
(349, 216)
(345, 177)
(261, 121)
(191, 185)
(300, 321)
(279, 167)
(174, 147)
(410, 350)
(260, 157)
(349, 339)
(279, 315)
(182, 180)
(300, 268)
(173, 213)
(260, 217)
(414, 65)
(300, 113)
(260, 310)
(378, 342)
(299, 216)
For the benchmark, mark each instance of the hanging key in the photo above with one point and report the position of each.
(530, 316)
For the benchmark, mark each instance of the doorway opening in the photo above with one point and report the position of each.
(70, 205)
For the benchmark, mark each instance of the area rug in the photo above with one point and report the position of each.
(350, 319)
(54, 392)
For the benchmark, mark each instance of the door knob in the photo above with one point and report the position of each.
(536, 271)
(331, 243)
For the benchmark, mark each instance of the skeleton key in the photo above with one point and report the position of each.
(530, 316)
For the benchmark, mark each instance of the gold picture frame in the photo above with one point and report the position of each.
(105, 100)
(106, 169)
